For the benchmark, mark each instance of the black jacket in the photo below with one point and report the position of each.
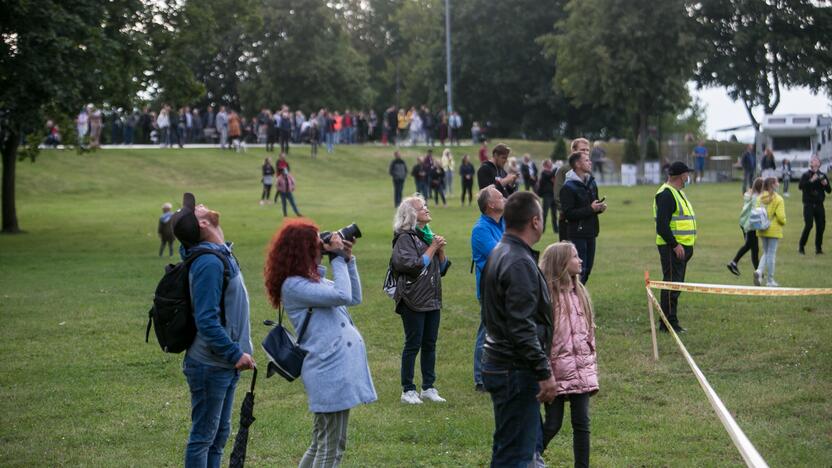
(488, 173)
(417, 285)
(467, 170)
(516, 309)
(576, 203)
(813, 192)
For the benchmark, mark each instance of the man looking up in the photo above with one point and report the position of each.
(486, 233)
(491, 172)
(579, 145)
(675, 236)
(517, 313)
(222, 347)
(581, 207)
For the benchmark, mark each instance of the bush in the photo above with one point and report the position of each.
(559, 151)
(631, 152)
(652, 150)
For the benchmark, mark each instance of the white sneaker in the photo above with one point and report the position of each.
(772, 284)
(757, 278)
(432, 395)
(411, 398)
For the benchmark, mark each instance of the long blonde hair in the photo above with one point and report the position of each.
(553, 264)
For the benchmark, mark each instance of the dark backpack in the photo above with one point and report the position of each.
(172, 314)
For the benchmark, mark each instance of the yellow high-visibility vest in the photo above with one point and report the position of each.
(683, 221)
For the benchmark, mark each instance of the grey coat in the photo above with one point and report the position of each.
(418, 286)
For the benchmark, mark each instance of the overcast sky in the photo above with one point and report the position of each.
(724, 113)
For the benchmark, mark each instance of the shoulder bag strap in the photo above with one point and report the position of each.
(305, 323)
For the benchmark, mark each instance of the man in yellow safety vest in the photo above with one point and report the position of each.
(675, 236)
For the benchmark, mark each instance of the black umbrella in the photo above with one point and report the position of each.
(238, 455)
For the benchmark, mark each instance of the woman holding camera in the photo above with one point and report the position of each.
(419, 262)
(335, 374)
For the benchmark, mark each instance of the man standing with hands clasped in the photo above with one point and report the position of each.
(675, 236)
(222, 347)
(815, 185)
(580, 205)
(517, 313)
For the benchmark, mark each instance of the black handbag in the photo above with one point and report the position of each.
(283, 350)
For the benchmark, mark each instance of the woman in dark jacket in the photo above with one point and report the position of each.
(268, 180)
(466, 173)
(419, 262)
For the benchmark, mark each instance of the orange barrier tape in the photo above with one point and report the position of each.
(747, 450)
(737, 290)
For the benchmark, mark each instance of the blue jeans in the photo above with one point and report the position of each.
(586, 252)
(517, 423)
(478, 354)
(330, 141)
(212, 397)
(398, 188)
(288, 195)
(769, 258)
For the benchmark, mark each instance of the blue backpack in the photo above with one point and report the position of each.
(758, 220)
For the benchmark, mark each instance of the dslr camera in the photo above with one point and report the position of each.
(348, 233)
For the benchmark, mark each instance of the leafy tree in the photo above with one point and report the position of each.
(627, 60)
(754, 48)
(652, 150)
(559, 151)
(630, 152)
(56, 56)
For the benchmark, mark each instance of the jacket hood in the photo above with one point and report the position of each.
(185, 253)
(571, 175)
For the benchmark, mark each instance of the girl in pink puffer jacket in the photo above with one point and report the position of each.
(572, 358)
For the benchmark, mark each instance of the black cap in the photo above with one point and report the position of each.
(678, 168)
(185, 224)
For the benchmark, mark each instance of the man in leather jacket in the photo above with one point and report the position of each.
(517, 313)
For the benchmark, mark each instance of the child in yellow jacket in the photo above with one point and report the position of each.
(776, 210)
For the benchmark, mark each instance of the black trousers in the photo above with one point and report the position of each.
(750, 244)
(673, 269)
(550, 208)
(813, 212)
(579, 409)
(586, 252)
(284, 140)
(467, 187)
(267, 191)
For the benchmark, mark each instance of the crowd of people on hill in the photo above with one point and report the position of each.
(169, 126)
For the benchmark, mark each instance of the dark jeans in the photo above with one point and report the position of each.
(284, 140)
(517, 422)
(439, 192)
(212, 399)
(586, 252)
(421, 329)
(478, 343)
(750, 244)
(169, 243)
(579, 412)
(747, 179)
(291, 198)
(549, 208)
(267, 192)
(813, 212)
(398, 188)
(467, 187)
(673, 269)
(561, 230)
(422, 187)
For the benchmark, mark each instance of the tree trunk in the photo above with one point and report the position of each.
(642, 136)
(751, 116)
(9, 150)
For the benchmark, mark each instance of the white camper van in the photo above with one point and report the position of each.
(797, 137)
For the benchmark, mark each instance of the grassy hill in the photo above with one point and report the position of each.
(79, 387)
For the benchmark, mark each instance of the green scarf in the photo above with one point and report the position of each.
(427, 234)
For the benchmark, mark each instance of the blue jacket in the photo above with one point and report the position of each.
(335, 373)
(214, 344)
(484, 236)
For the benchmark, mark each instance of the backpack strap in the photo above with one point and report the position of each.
(302, 326)
(226, 276)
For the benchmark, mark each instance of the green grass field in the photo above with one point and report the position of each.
(79, 387)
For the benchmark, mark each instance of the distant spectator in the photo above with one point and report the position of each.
(163, 124)
(528, 169)
(165, 229)
(494, 172)
(286, 187)
(443, 128)
(268, 180)
(749, 167)
(786, 175)
(700, 152)
(545, 189)
(221, 124)
(420, 177)
(476, 136)
(235, 130)
(53, 135)
(437, 184)
(95, 128)
(598, 156)
(768, 164)
(483, 153)
(447, 163)
(398, 171)
(466, 176)
(455, 124)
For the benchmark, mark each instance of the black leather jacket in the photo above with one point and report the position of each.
(516, 309)
(418, 286)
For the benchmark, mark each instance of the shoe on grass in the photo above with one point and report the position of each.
(757, 278)
(431, 395)
(411, 398)
(772, 284)
(732, 267)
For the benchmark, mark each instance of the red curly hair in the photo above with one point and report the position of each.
(293, 251)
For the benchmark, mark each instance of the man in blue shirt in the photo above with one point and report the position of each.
(222, 347)
(486, 233)
(699, 155)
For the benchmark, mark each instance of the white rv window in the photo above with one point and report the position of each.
(801, 120)
(791, 144)
(777, 121)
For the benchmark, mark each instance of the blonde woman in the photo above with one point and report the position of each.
(776, 210)
(573, 358)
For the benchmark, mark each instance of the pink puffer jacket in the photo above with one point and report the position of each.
(573, 359)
